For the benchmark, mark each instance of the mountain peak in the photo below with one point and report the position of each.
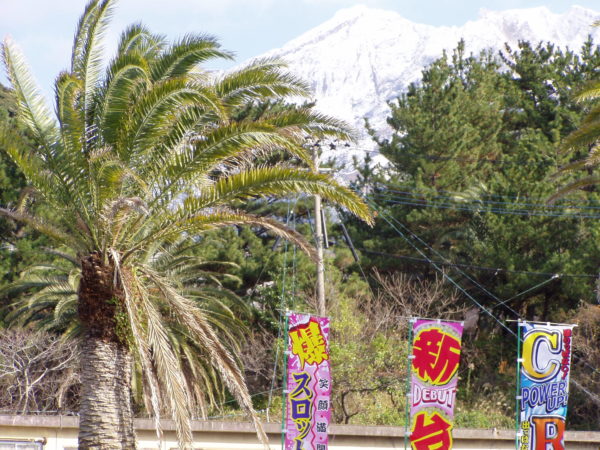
(352, 11)
(363, 57)
(358, 12)
(358, 17)
(485, 13)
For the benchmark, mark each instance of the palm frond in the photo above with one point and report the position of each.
(586, 135)
(229, 143)
(570, 167)
(195, 321)
(89, 15)
(590, 92)
(168, 369)
(137, 38)
(68, 92)
(30, 163)
(276, 181)
(311, 123)
(32, 108)
(203, 222)
(135, 290)
(592, 117)
(86, 62)
(127, 75)
(262, 79)
(37, 224)
(157, 111)
(183, 56)
(574, 186)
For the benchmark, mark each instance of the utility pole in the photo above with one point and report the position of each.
(321, 308)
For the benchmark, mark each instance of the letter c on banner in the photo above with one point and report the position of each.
(534, 368)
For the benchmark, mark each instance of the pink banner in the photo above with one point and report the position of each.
(308, 383)
(434, 373)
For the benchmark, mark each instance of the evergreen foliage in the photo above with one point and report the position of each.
(478, 148)
(19, 244)
(141, 154)
(474, 154)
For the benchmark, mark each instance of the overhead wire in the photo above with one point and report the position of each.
(472, 266)
(355, 255)
(294, 260)
(515, 212)
(483, 288)
(463, 273)
(390, 193)
(470, 297)
(499, 162)
(533, 288)
(282, 307)
(445, 275)
(483, 160)
(476, 283)
(454, 193)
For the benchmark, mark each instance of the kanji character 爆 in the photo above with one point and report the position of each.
(309, 344)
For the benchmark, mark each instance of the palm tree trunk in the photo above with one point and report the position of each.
(105, 416)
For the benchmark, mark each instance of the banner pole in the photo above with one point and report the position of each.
(408, 394)
(517, 395)
(284, 387)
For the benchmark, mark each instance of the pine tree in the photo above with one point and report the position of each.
(474, 152)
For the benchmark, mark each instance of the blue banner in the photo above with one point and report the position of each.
(545, 366)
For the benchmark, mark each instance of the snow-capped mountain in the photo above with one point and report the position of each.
(363, 57)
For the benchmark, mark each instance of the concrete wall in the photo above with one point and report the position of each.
(60, 433)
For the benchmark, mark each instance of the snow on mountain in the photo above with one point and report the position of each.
(363, 57)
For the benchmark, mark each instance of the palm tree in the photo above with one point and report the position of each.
(138, 155)
(586, 136)
(46, 297)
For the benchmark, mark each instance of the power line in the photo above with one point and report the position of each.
(595, 398)
(498, 162)
(282, 306)
(486, 290)
(473, 206)
(493, 210)
(353, 250)
(411, 195)
(471, 266)
(454, 193)
(445, 275)
(468, 277)
(504, 302)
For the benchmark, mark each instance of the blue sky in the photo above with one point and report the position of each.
(44, 28)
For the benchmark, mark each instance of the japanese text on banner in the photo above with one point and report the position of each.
(309, 383)
(544, 386)
(435, 358)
